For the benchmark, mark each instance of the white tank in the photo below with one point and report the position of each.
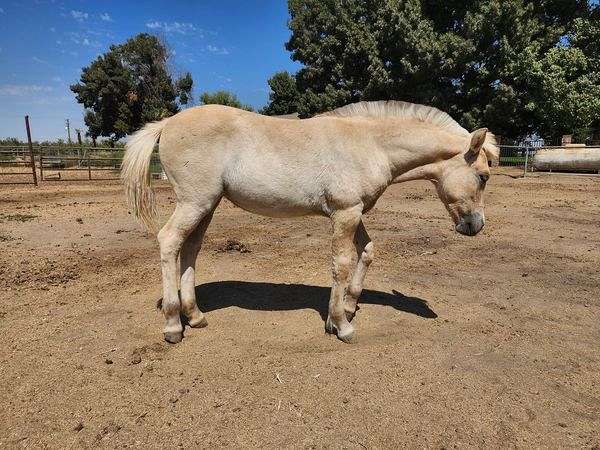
(572, 158)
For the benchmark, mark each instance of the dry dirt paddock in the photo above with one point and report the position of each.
(492, 341)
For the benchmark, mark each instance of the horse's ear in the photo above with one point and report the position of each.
(477, 140)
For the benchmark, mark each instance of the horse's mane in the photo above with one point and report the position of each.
(406, 110)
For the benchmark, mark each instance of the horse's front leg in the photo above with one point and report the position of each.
(344, 227)
(366, 253)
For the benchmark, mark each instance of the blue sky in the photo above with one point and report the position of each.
(225, 44)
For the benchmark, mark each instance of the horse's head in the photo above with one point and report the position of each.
(460, 184)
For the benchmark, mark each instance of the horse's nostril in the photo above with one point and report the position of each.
(470, 224)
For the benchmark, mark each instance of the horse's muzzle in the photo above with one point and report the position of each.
(470, 224)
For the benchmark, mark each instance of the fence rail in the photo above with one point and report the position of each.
(65, 163)
(21, 160)
(523, 157)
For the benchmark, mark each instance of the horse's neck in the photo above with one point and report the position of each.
(416, 153)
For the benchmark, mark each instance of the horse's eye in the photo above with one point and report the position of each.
(483, 177)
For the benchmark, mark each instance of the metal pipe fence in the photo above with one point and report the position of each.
(523, 157)
(516, 156)
(16, 165)
(65, 163)
(86, 164)
(519, 156)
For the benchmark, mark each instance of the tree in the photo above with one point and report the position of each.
(223, 98)
(568, 81)
(283, 98)
(488, 63)
(129, 86)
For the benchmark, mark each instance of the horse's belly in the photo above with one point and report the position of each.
(270, 197)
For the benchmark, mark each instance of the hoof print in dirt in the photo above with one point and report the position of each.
(233, 245)
(135, 358)
(110, 428)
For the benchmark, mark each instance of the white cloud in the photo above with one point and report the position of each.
(217, 50)
(106, 17)
(39, 60)
(19, 90)
(89, 43)
(79, 15)
(173, 27)
(57, 79)
(82, 39)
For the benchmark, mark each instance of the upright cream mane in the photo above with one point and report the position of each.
(406, 110)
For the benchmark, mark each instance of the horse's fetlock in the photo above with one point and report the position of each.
(170, 309)
(368, 253)
(354, 291)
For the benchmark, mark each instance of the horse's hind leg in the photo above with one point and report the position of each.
(188, 256)
(366, 252)
(171, 237)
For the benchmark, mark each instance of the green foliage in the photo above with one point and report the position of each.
(223, 98)
(129, 86)
(516, 66)
(15, 142)
(11, 141)
(283, 98)
(568, 79)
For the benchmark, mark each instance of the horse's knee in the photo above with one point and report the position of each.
(342, 266)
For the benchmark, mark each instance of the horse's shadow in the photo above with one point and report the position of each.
(283, 297)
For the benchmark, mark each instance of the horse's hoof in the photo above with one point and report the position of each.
(329, 327)
(350, 338)
(173, 337)
(198, 323)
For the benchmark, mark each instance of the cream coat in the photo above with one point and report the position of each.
(336, 165)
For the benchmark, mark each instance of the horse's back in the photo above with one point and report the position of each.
(270, 166)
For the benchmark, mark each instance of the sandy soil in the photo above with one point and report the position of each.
(463, 342)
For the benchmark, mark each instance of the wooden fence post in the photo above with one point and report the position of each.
(32, 158)
(83, 153)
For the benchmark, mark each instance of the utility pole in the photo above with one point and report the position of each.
(68, 127)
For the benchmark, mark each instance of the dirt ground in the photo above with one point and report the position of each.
(491, 341)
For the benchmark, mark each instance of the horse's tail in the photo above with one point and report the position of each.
(135, 173)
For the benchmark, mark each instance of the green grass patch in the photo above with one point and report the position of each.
(512, 159)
